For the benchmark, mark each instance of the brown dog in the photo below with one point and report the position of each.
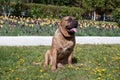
(63, 43)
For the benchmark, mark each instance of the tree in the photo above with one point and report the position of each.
(6, 7)
(19, 9)
(97, 5)
(116, 15)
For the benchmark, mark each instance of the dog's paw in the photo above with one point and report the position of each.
(53, 68)
(45, 66)
(70, 65)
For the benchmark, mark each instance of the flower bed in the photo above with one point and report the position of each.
(20, 26)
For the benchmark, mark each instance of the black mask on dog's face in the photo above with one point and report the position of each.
(68, 26)
(72, 27)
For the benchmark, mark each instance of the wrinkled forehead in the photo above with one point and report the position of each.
(69, 20)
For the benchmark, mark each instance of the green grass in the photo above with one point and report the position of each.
(91, 62)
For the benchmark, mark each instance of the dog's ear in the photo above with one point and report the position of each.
(62, 27)
(60, 17)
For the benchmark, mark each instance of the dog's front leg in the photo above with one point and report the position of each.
(47, 59)
(70, 60)
(54, 60)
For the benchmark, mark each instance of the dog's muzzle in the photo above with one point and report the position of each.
(71, 30)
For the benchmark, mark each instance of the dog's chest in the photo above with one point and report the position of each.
(66, 47)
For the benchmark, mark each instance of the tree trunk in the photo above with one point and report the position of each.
(104, 17)
(4, 10)
(94, 15)
(9, 10)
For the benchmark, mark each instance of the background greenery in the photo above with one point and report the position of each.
(116, 15)
(81, 9)
(49, 8)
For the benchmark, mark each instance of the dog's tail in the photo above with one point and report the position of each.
(37, 63)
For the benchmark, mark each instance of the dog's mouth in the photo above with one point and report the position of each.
(72, 27)
(71, 30)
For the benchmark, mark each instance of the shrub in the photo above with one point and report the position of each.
(51, 11)
(116, 15)
(18, 8)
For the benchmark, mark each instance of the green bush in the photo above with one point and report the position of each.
(51, 11)
(116, 15)
(18, 8)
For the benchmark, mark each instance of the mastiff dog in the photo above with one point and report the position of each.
(63, 43)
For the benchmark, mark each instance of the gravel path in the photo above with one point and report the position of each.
(46, 40)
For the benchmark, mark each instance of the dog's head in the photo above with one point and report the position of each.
(68, 26)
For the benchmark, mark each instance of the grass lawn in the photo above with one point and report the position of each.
(91, 62)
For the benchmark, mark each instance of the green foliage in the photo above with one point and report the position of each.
(5, 7)
(64, 2)
(18, 8)
(116, 15)
(112, 4)
(39, 10)
(101, 6)
(98, 3)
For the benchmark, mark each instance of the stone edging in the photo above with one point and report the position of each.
(46, 40)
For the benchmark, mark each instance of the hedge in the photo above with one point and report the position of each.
(40, 10)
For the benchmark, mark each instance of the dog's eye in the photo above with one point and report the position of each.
(68, 27)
